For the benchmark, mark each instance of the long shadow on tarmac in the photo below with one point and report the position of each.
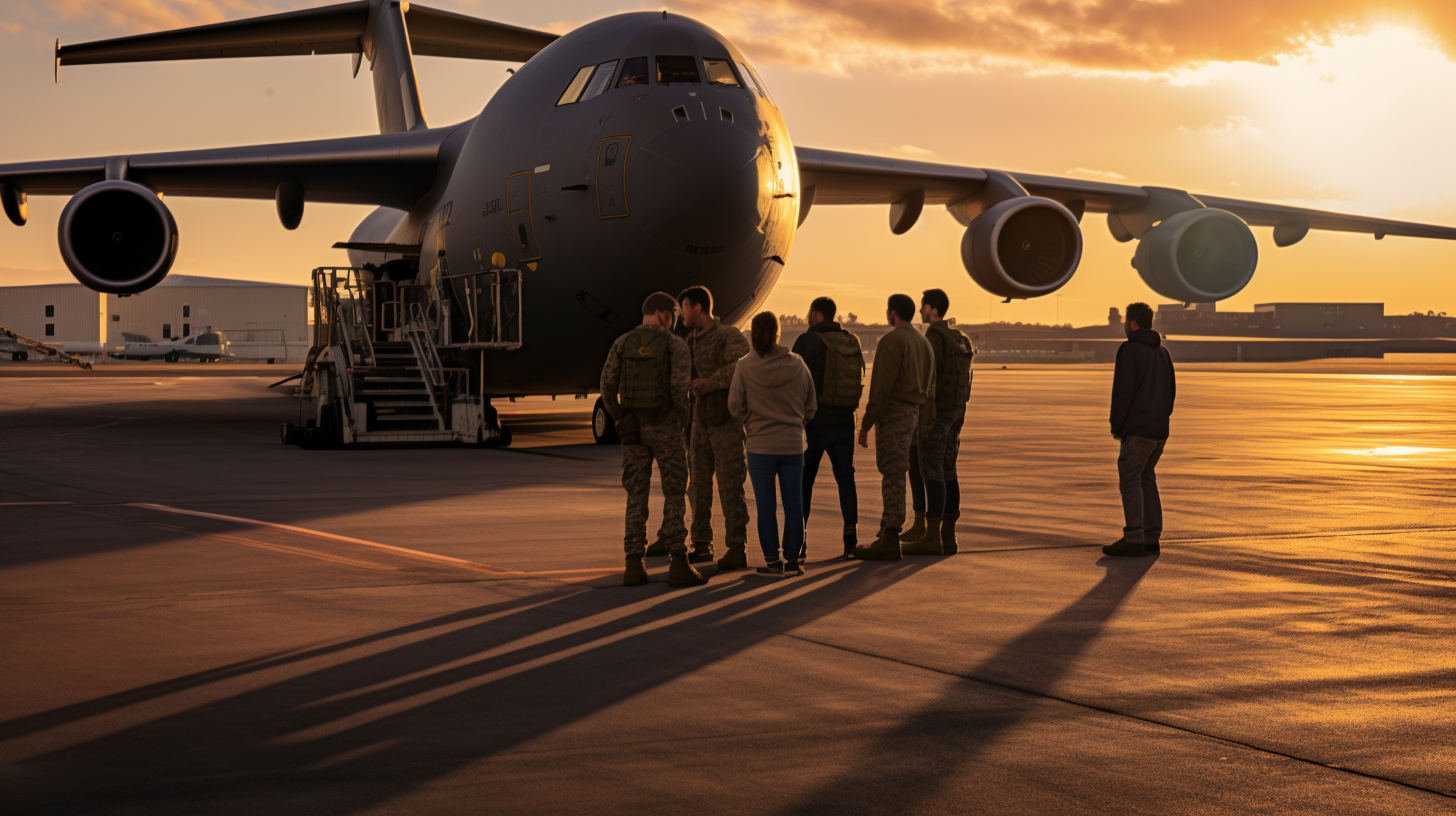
(351, 735)
(910, 764)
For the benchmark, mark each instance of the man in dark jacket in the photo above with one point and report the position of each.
(831, 431)
(1143, 389)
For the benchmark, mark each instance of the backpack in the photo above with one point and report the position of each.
(954, 353)
(843, 369)
(646, 384)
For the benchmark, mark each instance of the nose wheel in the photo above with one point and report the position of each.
(604, 429)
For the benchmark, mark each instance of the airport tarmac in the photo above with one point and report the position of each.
(196, 618)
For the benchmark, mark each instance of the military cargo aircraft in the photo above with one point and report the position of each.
(640, 152)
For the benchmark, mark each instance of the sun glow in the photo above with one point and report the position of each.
(1365, 118)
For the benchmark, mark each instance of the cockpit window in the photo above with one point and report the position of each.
(748, 79)
(634, 72)
(578, 82)
(677, 69)
(759, 80)
(600, 80)
(720, 72)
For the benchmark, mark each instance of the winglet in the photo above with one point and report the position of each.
(58, 60)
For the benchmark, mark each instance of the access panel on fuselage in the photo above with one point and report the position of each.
(518, 207)
(612, 176)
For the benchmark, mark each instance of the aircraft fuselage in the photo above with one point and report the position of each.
(648, 186)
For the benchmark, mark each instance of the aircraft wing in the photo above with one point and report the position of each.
(336, 29)
(390, 169)
(852, 178)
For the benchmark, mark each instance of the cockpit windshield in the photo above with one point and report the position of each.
(677, 69)
(600, 80)
(720, 72)
(751, 77)
(634, 72)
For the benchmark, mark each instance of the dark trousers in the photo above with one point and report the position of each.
(1142, 510)
(789, 470)
(838, 443)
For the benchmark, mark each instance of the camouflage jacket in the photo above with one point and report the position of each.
(680, 360)
(716, 352)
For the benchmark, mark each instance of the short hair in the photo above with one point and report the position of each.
(824, 306)
(763, 333)
(902, 306)
(1141, 314)
(659, 302)
(698, 295)
(937, 300)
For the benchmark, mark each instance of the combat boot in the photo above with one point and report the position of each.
(701, 552)
(656, 549)
(636, 574)
(884, 548)
(682, 574)
(1124, 548)
(851, 539)
(734, 559)
(948, 544)
(928, 544)
(917, 529)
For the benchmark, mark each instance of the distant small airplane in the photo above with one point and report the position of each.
(640, 152)
(210, 346)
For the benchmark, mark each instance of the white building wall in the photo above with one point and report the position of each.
(77, 319)
(260, 320)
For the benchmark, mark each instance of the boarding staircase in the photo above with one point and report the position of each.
(375, 375)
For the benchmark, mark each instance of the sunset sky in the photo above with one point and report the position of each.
(1338, 104)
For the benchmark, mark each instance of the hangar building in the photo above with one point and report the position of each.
(261, 320)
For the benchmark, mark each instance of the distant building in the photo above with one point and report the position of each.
(55, 313)
(1321, 319)
(261, 320)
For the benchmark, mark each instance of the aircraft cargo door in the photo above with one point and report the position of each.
(518, 205)
(612, 177)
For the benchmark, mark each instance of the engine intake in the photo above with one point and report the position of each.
(118, 237)
(1198, 256)
(1023, 247)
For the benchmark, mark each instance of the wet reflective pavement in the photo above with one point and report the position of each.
(198, 619)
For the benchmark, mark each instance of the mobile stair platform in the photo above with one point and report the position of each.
(374, 373)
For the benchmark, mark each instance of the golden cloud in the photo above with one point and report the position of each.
(1096, 35)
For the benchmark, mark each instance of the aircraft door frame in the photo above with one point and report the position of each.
(616, 204)
(522, 225)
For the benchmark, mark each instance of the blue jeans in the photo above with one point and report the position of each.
(789, 468)
(839, 444)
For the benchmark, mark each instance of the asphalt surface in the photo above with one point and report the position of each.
(196, 618)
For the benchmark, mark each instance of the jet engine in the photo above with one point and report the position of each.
(1197, 256)
(118, 237)
(1023, 247)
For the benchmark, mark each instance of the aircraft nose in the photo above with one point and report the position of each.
(708, 186)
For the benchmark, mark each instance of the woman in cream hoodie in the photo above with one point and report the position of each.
(773, 393)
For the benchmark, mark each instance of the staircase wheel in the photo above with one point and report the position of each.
(604, 429)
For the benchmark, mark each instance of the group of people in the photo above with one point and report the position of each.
(706, 403)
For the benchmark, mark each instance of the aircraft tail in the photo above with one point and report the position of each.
(388, 32)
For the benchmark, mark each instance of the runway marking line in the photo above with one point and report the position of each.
(404, 552)
(31, 503)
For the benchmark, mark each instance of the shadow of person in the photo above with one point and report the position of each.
(915, 758)
(382, 718)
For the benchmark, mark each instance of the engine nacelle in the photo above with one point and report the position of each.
(1024, 247)
(118, 237)
(1198, 256)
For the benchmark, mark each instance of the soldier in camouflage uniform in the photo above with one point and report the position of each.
(940, 443)
(716, 445)
(901, 399)
(645, 386)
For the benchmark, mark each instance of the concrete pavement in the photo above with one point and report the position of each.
(440, 630)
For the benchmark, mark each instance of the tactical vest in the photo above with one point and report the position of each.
(954, 352)
(645, 388)
(844, 368)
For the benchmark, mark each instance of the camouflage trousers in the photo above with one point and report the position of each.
(664, 443)
(719, 451)
(894, 432)
(940, 446)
